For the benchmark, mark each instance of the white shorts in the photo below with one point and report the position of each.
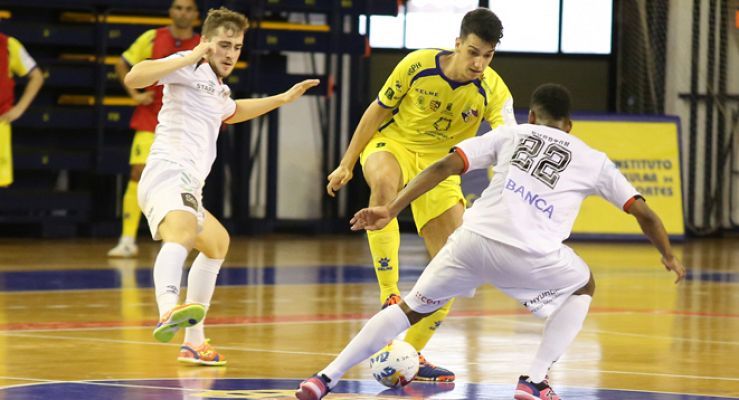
(165, 187)
(468, 260)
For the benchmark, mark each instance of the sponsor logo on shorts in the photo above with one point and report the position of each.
(541, 300)
(426, 300)
(380, 144)
(384, 264)
(189, 200)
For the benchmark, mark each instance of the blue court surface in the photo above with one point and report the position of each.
(247, 389)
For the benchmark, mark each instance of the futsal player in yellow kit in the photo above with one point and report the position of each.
(431, 101)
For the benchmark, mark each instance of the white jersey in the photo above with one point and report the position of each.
(542, 175)
(195, 103)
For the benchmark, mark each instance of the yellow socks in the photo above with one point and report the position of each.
(420, 333)
(384, 246)
(131, 210)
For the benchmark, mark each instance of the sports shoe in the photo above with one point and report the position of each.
(313, 388)
(204, 354)
(527, 390)
(181, 316)
(125, 249)
(428, 372)
(392, 299)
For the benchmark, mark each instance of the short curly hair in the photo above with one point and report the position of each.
(551, 99)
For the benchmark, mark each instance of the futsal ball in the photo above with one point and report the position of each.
(395, 365)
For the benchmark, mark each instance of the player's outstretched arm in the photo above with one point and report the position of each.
(148, 72)
(653, 228)
(371, 120)
(247, 109)
(375, 218)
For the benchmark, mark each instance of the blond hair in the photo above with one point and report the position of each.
(223, 17)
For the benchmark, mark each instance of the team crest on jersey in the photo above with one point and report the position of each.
(434, 105)
(421, 103)
(469, 114)
(189, 200)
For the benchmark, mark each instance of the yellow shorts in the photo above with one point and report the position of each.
(141, 146)
(434, 202)
(6, 155)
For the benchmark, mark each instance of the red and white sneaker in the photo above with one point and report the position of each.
(527, 390)
(313, 388)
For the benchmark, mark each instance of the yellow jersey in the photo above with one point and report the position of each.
(432, 113)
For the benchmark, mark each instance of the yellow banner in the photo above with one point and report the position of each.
(647, 153)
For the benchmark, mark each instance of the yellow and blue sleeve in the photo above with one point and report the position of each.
(399, 81)
(499, 110)
(21, 63)
(141, 49)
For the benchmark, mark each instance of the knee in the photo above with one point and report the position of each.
(221, 248)
(382, 193)
(413, 316)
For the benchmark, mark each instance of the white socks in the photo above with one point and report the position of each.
(168, 275)
(376, 333)
(559, 332)
(201, 282)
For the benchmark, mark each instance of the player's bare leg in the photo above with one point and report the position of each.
(385, 179)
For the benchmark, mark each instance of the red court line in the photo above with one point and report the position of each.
(61, 325)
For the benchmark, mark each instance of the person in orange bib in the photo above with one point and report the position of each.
(14, 61)
(152, 44)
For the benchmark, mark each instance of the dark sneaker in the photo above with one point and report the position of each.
(428, 372)
(527, 390)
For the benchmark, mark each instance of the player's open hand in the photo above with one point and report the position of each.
(674, 264)
(337, 179)
(371, 219)
(299, 89)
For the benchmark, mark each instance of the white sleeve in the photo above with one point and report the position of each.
(230, 109)
(613, 186)
(180, 76)
(481, 151)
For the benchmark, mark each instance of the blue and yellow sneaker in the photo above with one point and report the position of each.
(182, 316)
(204, 354)
(428, 372)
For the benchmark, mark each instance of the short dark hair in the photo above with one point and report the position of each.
(551, 99)
(483, 23)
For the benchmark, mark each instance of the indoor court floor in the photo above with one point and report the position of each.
(76, 325)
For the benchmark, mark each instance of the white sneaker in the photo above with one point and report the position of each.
(124, 249)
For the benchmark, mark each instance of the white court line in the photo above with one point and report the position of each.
(512, 319)
(259, 350)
